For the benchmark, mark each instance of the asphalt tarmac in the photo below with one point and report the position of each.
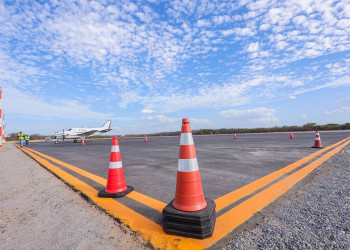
(225, 164)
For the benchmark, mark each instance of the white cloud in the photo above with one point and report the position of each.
(304, 116)
(24, 103)
(253, 47)
(197, 121)
(203, 23)
(260, 114)
(161, 119)
(221, 19)
(339, 110)
(147, 111)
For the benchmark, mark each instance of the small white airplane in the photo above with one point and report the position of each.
(82, 133)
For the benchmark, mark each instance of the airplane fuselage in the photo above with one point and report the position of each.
(82, 133)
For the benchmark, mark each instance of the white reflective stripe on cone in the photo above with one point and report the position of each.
(317, 133)
(115, 148)
(317, 138)
(186, 139)
(187, 165)
(117, 164)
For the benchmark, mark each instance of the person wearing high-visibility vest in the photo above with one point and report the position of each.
(26, 138)
(20, 137)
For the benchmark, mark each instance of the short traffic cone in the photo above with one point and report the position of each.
(291, 135)
(83, 142)
(146, 140)
(318, 143)
(189, 214)
(116, 186)
(235, 136)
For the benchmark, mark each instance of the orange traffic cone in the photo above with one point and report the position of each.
(83, 142)
(116, 186)
(291, 135)
(235, 136)
(318, 143)
(146, 140)
(189, 214)
(189, 195)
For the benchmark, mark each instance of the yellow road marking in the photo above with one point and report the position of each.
(242, 212)
(144, 199)
(242, 192)
(148, 229)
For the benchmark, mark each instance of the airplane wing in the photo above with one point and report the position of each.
(88, 133)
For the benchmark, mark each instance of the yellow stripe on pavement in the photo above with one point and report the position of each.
(142, 198)
(242, 192)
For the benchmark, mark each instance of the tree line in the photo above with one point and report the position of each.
(294, 128)
(285, 128)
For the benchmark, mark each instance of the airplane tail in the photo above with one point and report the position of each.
(107, 125)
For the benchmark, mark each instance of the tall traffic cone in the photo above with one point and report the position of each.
(291, 135)
(318, 143)
(189, 214)
(116, 186)
(83, 142)
(235, 136)
(146, 140)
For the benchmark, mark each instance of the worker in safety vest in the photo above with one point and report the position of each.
(26, 138)
(20, 137)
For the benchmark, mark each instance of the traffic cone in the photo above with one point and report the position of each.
(318, 143)
(116, 186)
(146, 140)
(291, 135)
(83, 142)
(235, 136)
(189, 214)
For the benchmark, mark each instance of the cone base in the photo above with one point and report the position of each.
(316, 147)
(104, 194)
(199, 224)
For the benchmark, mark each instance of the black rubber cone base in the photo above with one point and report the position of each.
(199, 224)
(103, 193)
(316, 147)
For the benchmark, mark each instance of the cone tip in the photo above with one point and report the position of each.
(115, 141)
(185, 120)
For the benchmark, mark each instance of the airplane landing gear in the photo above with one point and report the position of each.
(75, 140)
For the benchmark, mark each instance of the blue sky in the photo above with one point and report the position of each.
(147, 64)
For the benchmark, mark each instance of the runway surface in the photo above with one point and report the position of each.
(242, 176)
(225, 164)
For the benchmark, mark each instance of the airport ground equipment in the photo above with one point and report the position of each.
(116, 186)
(189, 214)
(235, 136)
(291, 135)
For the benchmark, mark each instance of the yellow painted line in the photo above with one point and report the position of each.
(144, 199)
(148, 229)
(242, 212)
(242, 192)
